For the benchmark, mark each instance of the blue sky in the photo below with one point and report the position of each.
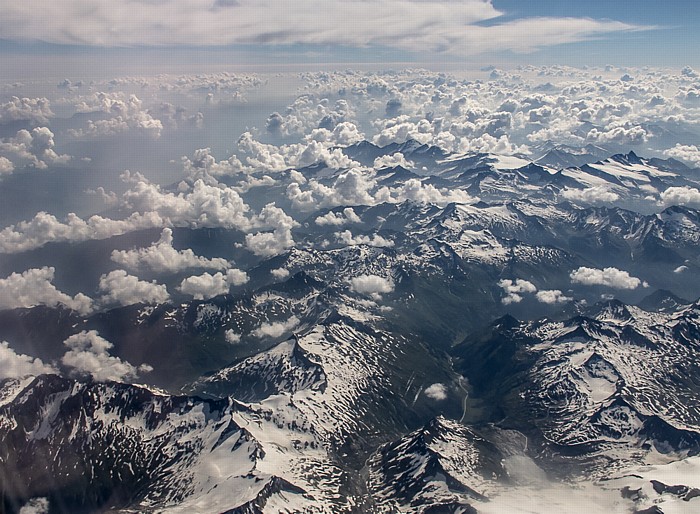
(276, 32)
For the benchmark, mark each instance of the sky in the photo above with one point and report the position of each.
(39, 36)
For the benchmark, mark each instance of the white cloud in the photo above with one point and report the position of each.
(621, 135)
(437, 392)
(684, 195)
(423, 25)
(161, 257)
(267, 244)
(232, 337)
(198, 205)
(6, 166)
(201, 205)
(515, 289)
(391, 161)
(120, 288)
(593, 195)
(33, 148)
(88, 354)
(610, 277)
(280, 273)
(127, 114)
(552, 296)
(339, 218)
(205, 286)
(15, 365)
(36, 506)
(680, 269)
(35, 110)
(348, 239)
(276, 328)
(687, 153)
(372, 285)
(34, 287)
(203, 162)
(45, 228)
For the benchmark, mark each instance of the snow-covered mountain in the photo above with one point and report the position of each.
(428, 332)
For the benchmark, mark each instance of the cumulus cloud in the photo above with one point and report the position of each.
(280, 273)
(126, 113)
(552, 297)
(267, 244)
(391, 161)
(35, 110)
(424, 25)
(33, 148)
(46, 228)
(437, 392)
(257, 156)
(36, 506)
(624, 136)
(161, 257)
(610, 277)
(205, 286)
(371, 285)
(348, 215)
(120, 288)
(35, 287)
(683, 195)
(515, 289)
(593, 195)
(16, 365)
(203, 162)
(275, 329)
(345, 237)
(687, 153)
(88, 355)
(6, 166)
(232, 337)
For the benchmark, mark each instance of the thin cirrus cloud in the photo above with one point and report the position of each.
(414, 25)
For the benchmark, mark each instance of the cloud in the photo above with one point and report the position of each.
(337, 219)
(372, 285)
(15, 365)
(593, 195)
(46, 228)
(515, 289)
(280, 273)
(681, 196)
(610, 277)
(34, 287)
(88, 355)
(680, 269)
(437, 392)
(33, 148)
(6, 166)
(35, 110)
(122, 289)
(348, 239)
(161, 257)
(687, 153)
(126, 114)
(203, 162)
(267, 244)
(552, 297)
(423, 25)
(205, 286)
(232, 337)
(391, 161)
(36, 506)
(276, 328)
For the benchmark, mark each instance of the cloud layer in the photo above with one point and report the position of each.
(415, 25)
